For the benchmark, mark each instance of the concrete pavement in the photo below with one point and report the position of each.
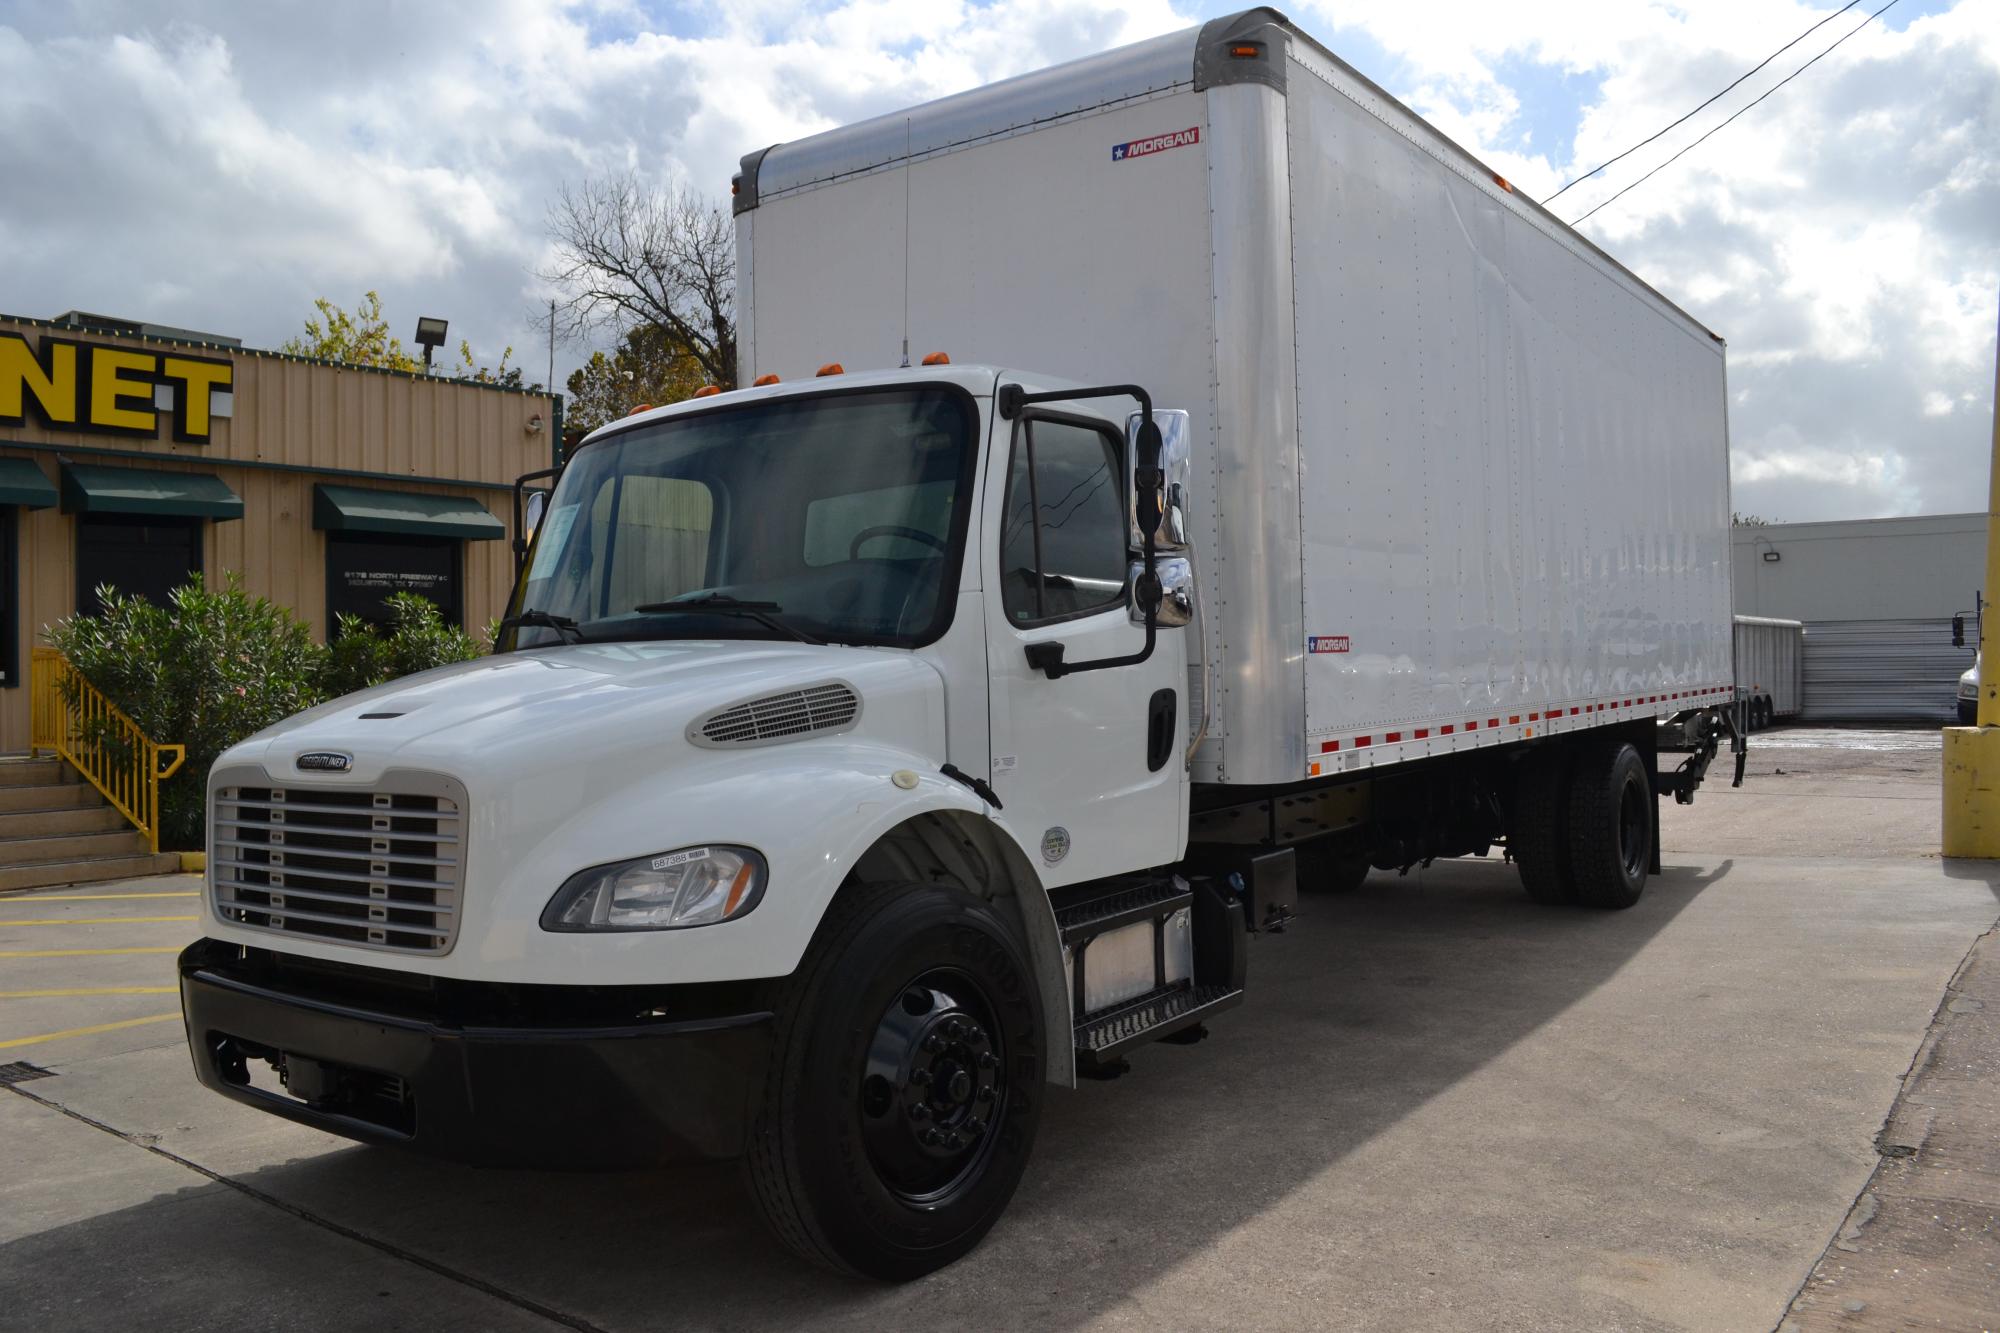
(1440, 1106)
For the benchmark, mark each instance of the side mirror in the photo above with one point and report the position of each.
(1176, 442)
(531, 513)
(1176, 585)
(1958, 631)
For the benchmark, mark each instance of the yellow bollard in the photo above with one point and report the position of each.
(1972, 754)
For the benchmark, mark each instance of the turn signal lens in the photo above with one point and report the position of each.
(695, 886)
(707, 391)
(762, 380)
(643, 407)
(830, 368)
(1247, 51)
(938, 359)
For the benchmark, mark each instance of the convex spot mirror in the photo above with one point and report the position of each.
(531, 513)
(1176, 576)
(1958, 631)
(1175, 442)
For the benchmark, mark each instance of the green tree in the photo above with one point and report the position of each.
(649, 368)
(359, 339)
(417, 640)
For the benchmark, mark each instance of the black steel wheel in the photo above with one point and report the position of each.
(1611, 804)
(904, 1089)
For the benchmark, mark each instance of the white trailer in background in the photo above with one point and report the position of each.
(867, 750)
(1770, 669)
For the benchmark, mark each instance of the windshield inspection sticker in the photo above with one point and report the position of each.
(1326, 643)
(1159, 143)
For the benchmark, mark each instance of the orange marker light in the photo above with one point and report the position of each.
(736, 889)
(1503, 183)
(1247, 51)
(707, 391)
(643, 407)
(830, 368)
(762, 380)
(938, 359)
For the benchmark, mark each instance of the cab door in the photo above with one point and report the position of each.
(1088, 766)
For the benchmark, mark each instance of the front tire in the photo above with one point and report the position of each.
(905, 1083)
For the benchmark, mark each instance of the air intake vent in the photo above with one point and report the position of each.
(778, 716)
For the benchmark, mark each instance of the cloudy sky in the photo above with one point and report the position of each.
(218, 165)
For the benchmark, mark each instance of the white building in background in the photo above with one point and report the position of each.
(1877, 597)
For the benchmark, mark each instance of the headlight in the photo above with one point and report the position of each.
(695, 886)
(1968, 689)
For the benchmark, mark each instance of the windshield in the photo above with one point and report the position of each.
(836, 517)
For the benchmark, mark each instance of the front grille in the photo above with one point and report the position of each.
(796, 712)
(378, 869)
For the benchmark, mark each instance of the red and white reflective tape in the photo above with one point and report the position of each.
(1703, 696)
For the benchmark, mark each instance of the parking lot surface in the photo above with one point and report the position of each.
(1440, 1106)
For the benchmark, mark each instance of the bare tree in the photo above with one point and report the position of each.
(629, 255)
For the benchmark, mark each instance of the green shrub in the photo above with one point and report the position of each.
(417, 640)
(204, 671)
(216, 665)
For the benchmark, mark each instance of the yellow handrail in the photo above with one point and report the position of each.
(74, 719)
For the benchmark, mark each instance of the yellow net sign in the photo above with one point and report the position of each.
(106, 390)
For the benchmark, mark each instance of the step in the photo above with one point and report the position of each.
(49, 796)
(1149, 1018)
(34, 772)
(127, 841)
(1136, 898)
(85, 870)
(46, 823)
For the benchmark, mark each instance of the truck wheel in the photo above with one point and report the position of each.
(1610, 825)
(1539, 838)
(905, 1083)
(1770, 712)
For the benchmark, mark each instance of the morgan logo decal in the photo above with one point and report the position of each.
(325, 761)
(1159, 143)
(1326, 643)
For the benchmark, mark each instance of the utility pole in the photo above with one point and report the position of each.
(1972, 754)
(551, 380)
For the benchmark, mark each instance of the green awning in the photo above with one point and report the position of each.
(352, 509)
(90, 489)
(22, 483)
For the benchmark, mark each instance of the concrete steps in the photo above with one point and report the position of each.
(56, 829)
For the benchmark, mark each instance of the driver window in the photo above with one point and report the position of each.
(1062, 545)
(864, 524)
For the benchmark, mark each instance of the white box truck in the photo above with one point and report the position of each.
(1770, 670)
(1278, 495)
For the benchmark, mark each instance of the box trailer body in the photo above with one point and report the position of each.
(1770, 668)
(867, 748)
(1460, 477)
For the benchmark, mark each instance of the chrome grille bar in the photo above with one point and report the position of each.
(375, 868)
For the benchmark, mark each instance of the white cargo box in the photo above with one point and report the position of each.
(1460, 478)
(1770, 662)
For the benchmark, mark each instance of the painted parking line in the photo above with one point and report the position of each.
(87, 953)
(89, 1031)
(96, 921)
(36, 895)
(86, 990)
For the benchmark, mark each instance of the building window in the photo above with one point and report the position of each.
(139, 556)
(364, 568)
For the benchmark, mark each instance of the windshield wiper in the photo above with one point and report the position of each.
(731, 606)
(533, 619)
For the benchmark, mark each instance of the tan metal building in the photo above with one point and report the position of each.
(132, 455)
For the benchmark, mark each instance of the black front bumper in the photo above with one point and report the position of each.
(548, 1076)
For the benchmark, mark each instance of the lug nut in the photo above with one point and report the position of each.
(920, 1077)
(987, 1059)
(933, 1138)
(986, 1094)
(954, 1143)
(934, 1043)
(953, 1029)
(920, 1111)
(975, 1036)
(974, 1125)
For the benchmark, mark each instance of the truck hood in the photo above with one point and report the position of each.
(601, 699)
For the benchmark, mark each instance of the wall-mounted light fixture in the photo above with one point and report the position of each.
(535, 424)
(430, 337)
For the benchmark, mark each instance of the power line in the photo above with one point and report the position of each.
(1774, 88)
(1705, 105)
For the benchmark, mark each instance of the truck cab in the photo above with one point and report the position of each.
(867, 637)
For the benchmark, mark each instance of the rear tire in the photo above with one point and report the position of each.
(910, 996)
(1610, 825)
(1539, 839)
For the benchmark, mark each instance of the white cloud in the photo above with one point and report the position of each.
(221, 168)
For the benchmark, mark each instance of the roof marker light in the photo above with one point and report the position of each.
(938, 359)
(763, 380)
(643, 407)
(707, 391)
(1503, 182)
(830, 368)
(1245, 51)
